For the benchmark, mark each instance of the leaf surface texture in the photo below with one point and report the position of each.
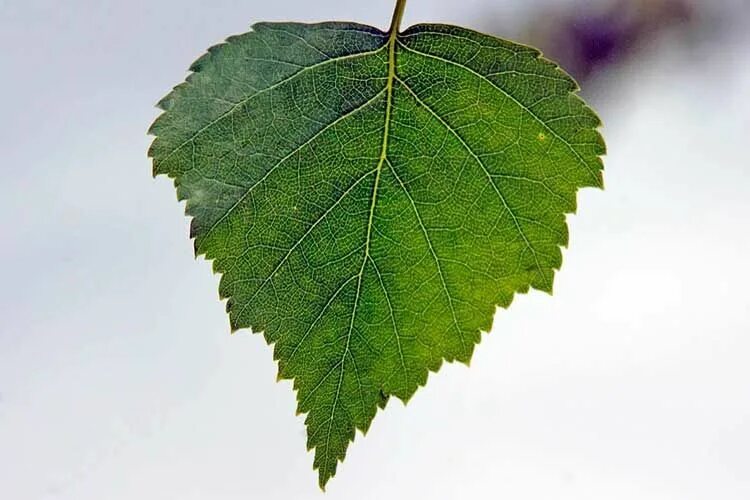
(370, 199)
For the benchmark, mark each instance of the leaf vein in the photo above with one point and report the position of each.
(536, 117)
(489, 177)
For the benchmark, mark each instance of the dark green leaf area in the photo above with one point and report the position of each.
(370, 199)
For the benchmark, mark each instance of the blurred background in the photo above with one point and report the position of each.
(118, 376)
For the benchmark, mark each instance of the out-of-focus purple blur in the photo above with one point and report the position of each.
(585, 41)
(590, 37)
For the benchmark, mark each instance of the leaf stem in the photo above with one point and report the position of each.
(398, 14)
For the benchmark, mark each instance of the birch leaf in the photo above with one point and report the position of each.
(369, 198)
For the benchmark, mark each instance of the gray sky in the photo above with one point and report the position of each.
(118, 376)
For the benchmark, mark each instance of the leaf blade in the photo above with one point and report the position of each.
(370, 198)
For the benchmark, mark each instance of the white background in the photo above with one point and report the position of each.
(118, 376)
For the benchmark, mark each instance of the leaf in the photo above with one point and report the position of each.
(369, 198)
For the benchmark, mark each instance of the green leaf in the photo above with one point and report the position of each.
(369, 198)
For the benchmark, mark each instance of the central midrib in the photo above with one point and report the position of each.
(373, 199)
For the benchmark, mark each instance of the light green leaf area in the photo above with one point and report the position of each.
(370, 198)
